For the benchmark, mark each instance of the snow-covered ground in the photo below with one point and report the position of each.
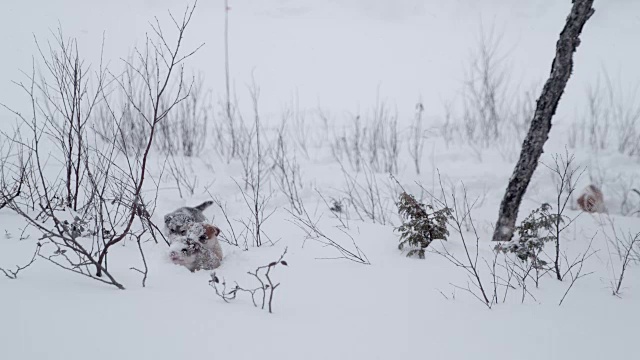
(341, 57)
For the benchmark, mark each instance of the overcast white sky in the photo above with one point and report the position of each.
(337, 53)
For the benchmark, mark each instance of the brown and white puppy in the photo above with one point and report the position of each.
(198, 249)
(591, 199)
(207, 235)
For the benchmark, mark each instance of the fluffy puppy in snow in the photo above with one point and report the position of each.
(198, 249)
(591, 199)
(178, 221)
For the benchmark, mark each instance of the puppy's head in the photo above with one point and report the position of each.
(183, 252)
(177, 223)
(211, 231)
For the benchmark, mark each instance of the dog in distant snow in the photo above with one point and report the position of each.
(177, 222)
(198, 248)
(591, 200)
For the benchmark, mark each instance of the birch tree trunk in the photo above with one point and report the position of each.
(547, 103)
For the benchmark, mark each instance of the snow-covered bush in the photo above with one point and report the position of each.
(184, 131)
(421, 224)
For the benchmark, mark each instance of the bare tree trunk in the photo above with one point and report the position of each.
(547, 104)
(234, 145)
(226, 56)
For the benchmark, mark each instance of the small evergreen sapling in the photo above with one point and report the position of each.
(533, 232)
(421, 224)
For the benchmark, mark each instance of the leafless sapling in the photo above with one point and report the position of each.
(255, 194)
(566, 176)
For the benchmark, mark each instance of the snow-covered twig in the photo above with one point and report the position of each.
(13, 274)
(266, 289)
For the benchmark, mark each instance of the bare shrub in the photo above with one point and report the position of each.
(254, 191)
(185, 130)
(469, 263)
(185, 179)
(365, 196)
(373, 140)
(622, 187)
(231, 236)
(228, 128)
(496, 113)
(595, 133)
(383, 141)
(627, 248)
(449, 129)
(485, 93)
(574, 268)
(349, 146)
(416, 138)
(121, 121)
(68, 106)
(12, 176)
(287, 171)
(636, 192)
(265, 291)
(257, 203)
(107, 177)
(611, 120)
(309, 225)
(299, 126)
(490, 113)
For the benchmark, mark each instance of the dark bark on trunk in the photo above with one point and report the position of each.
(547, 103)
